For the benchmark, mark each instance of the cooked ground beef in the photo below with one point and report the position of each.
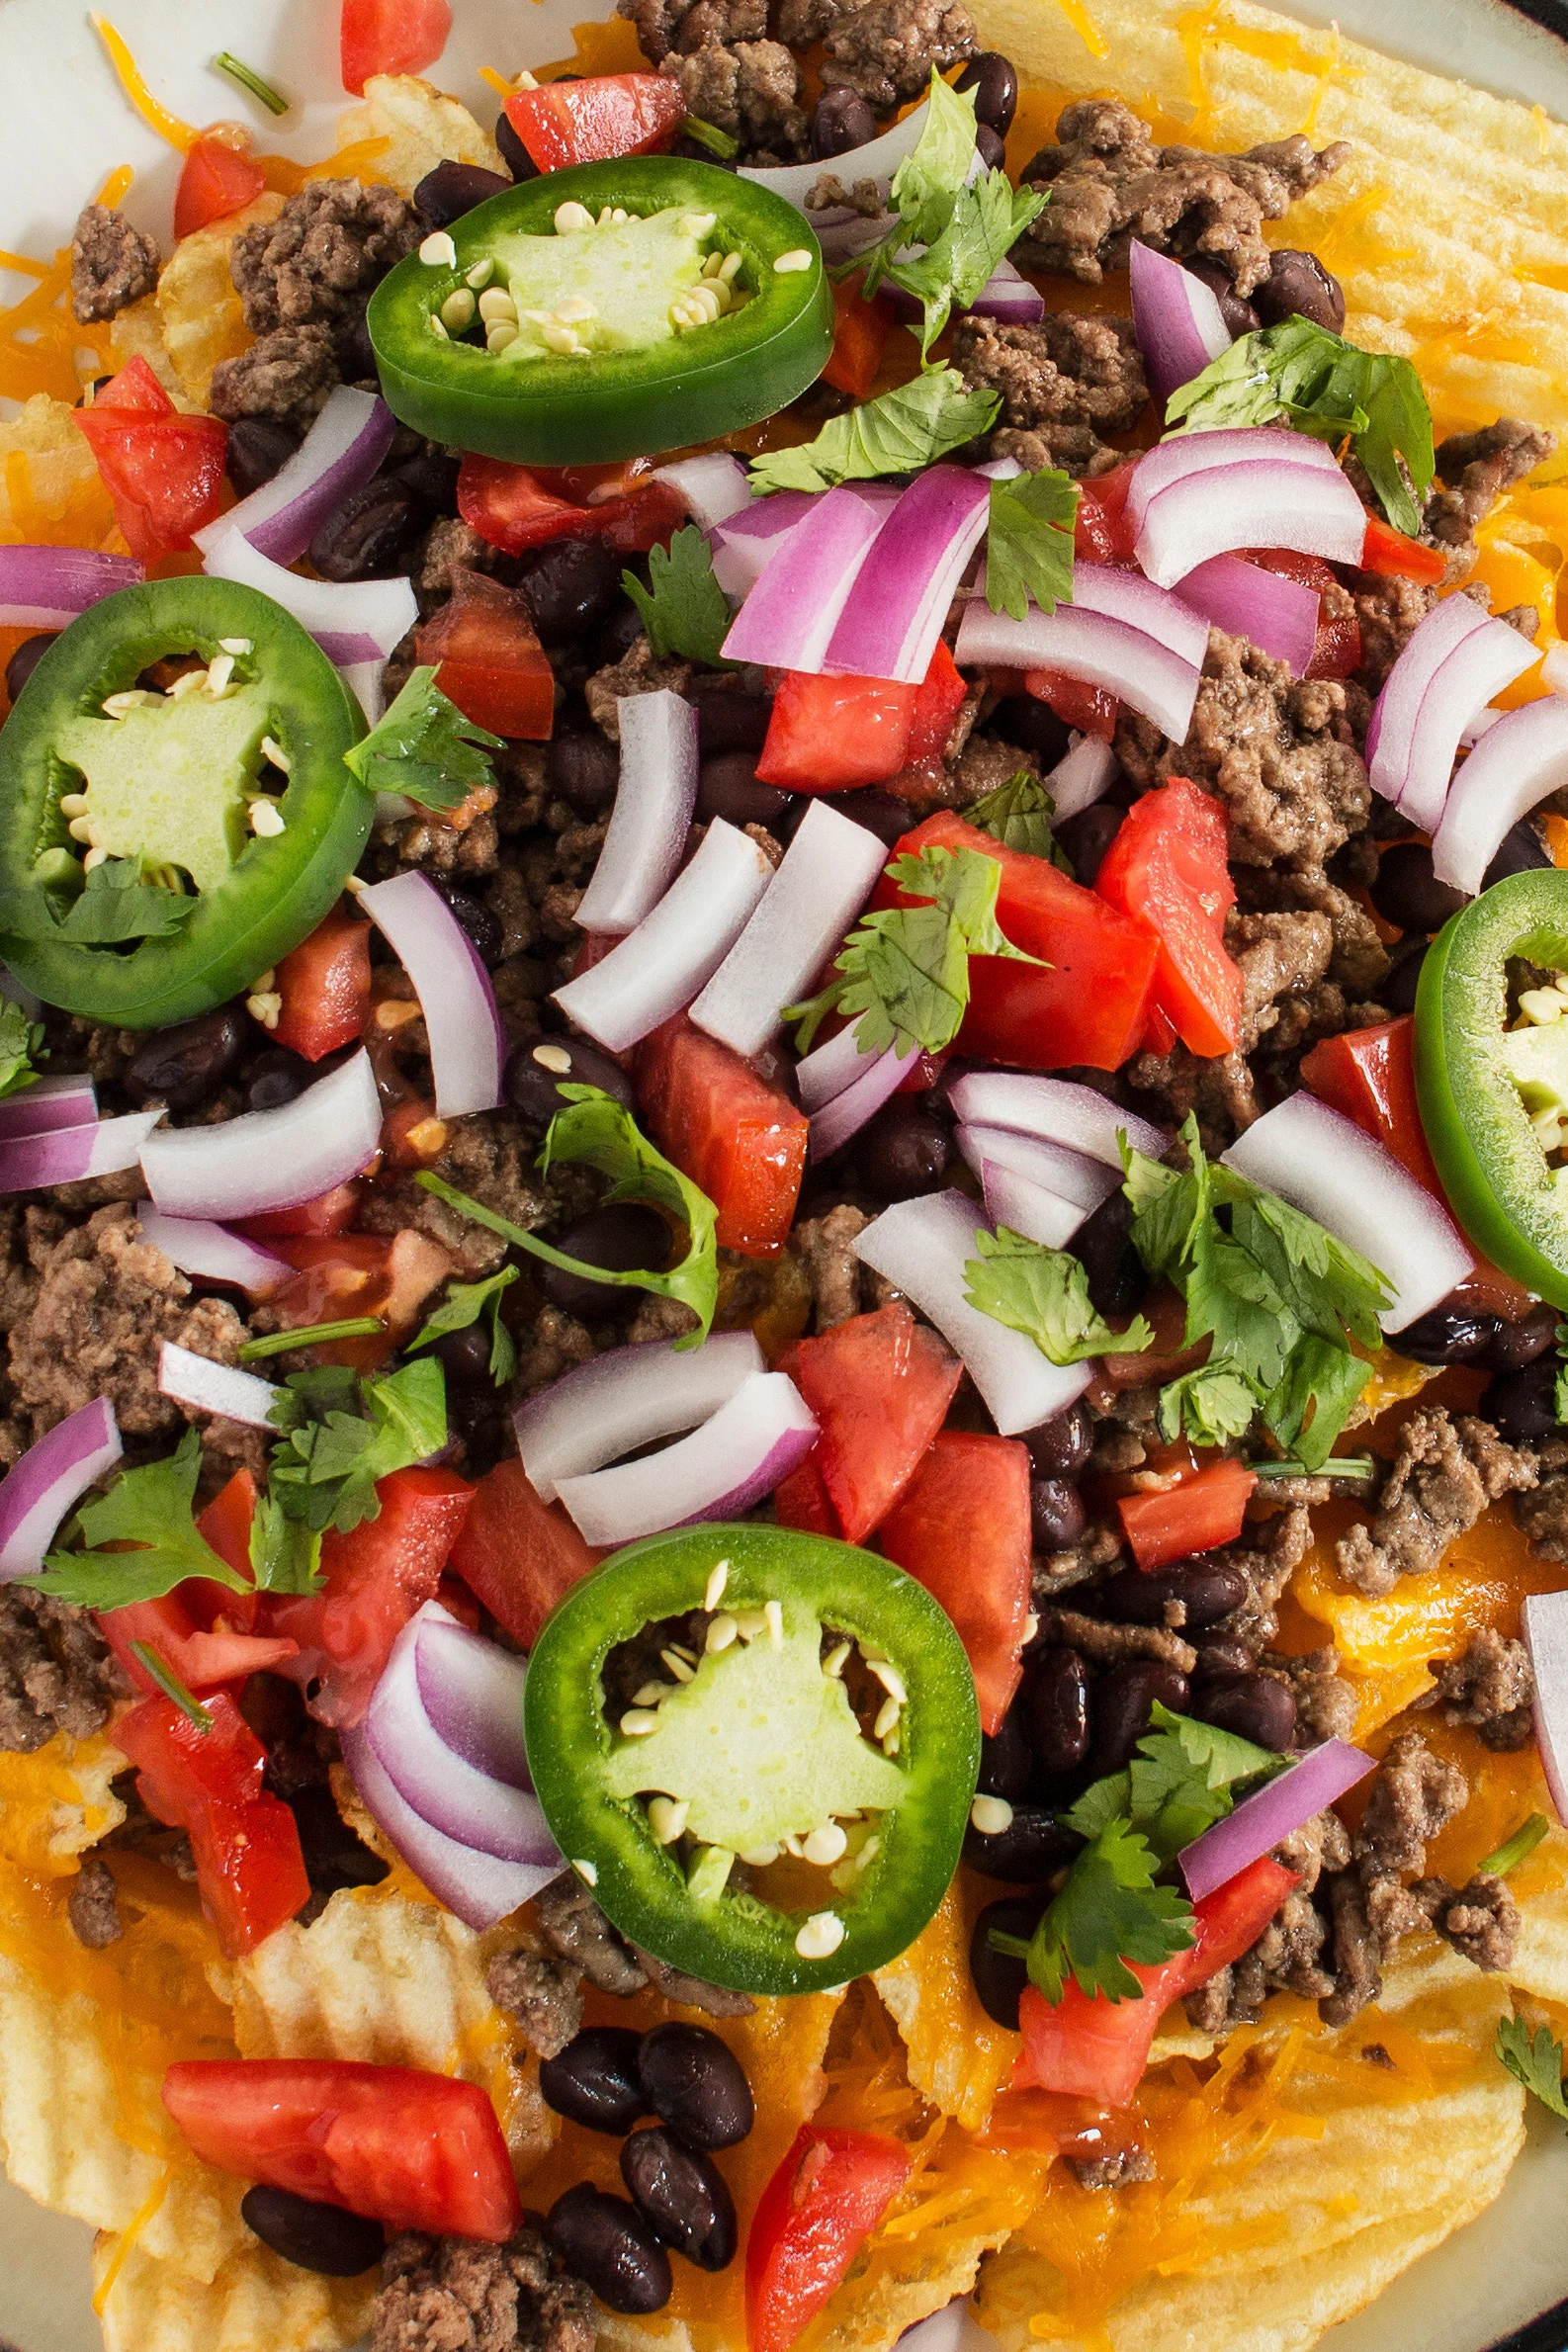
(112, 264)
(749, 90)
(451, 546)
(1476, 469)
(1218, 1092)
(1443, 1475)
(825, 1248)
(688, 24)
(1480, 1920)
(1064, 384)
(1287, 1954)
(460, 2294)
(92, 1908)
(286, 375)
(637, 672)
(542, 1994)
(56, 1671)
(1099, 1547)
(487, 1158)
(577, 1929)
(1358, 962)
(887, 50)
(1544, 1515)
(1273, 1551)
(1415, 1795)
(1109, 184)
(28, 1234)
(1326, 1703)
(1389, 612)
(1280, 957)
(1493, 1686)
(1106, 1645)
(319, 263)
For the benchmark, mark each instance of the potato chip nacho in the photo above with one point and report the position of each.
(784, 1148)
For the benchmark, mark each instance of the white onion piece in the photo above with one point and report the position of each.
(1275, 503)
(848, 1110)
(66, 1155)
(1123, 596)
(744, 546)
(367, 682)
(1323, 1165)
(1449, 669)
(1072, 1174)
(338, 456)
(713, 486)
(1543, 1622)
(1470, 734)
(478, 1888)
(472, 1689)
(1220, 451)
(828, 1069)
(1391, 733)
(658, 969)
(48, 1104)
(468, 1044)
(1082, 777)
(382, 610)
(269, 1159)
(1026, 1207)
(921, 1247)
(877, 160)
(829, 870)
(208, 1387)
(789, 618)
(617, 1402)
(486, 1814)
(49, 1480)
(1249, 600)
(198, 1246)
(654, 802)
(1177, 320)
(1149, 677)
(1055, 1110)
(721, 1471)
(1513, 768)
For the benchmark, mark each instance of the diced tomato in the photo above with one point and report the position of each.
(830, 734)
(1338, 649)
(324, 984)
(880, 1386)
(391, 37)
(1395, 557)
(1102, 534)
(1166, 866)
(1091, 709)
(595, 120)
(962, 1528)
(1193, 1515)
(412, 2149)
(518, 507)
(164, 471)
(457, 1601)
(734, 1135)
(336, 1276)
(1160, 1036)
(938, 699)
(820, 2204)
(226, 1525)
(860, 336)
(329, 1213)
(1098, 2049)
(249, 1870)
(489, 661)
(217, 179)
(1087, 1004)
(200, 1658)
(801, 1501)
(374, 1580)
(924, 1072)
(519, 1555)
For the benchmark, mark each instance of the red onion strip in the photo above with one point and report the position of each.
(1518, 761)
(66, 1155)
(49, 1480)
(1087, 644)
(617, 1402)
(654, 802)
(829, 870)
(890, 626)
(1057, 1111)
(1447, 672)
(1391, 730)
(1281, 615)
(747, 544)
(1274, 503)
(1026, 1207)
(1122, 596)
(848, 1110)
(1270, 1814)
(1083, 777)
(472, 1689)
(1220, 452)
(45, 587)
(269, 1159)
(1070, 1175)
(338, 456)
(789, 618)
(382, 610)
(721, 1471)
(47, 1104)
(714, 486)
(486, 1814)
(208, 1387)
(468, 1044)
(478, 1888)
(1008, 295)
(1543, 1622)
(828, 1069)
(198, 1246)
(1177, 320)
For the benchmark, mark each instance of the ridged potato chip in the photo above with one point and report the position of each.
(423, 127)
(49, 486)
(256, 2302)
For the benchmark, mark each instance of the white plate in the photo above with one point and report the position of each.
(66, 127)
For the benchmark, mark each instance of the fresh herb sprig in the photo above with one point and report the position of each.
(341, 1433)
(149, 1508)
(902, 431)
(683, 607)
(1029, 542)
(1018, 814)
(1536, 2062)
(20, 1047)
(468, 1303)
(1044, 1294)
(424, 747)
(119, 900)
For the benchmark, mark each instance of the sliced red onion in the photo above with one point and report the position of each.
(1543, 1622)
(1008, 295)
(1281, 615)
(828, 1069)
(472, 1689)
(337, 457)
(747, 544)
(672, 954)
(1222, 452)
(478, 1888)
(1275, 502)
(843, 233)
(848, 1110)
(269, 1159)
(1513, 768)
(1026, 1207)
(66, 1155)
(1177, 320)
(721, 1471)
(1070, 1175)
(1122, 596)
(208, 1387)
(829, 870)
(45, 587)
(625, 1399)
(382, 610)
(899, 602)
(713, 486)
(921, 1247)
(789, 617)
(1083, 777)
(877, 160)
(367, 682)
(348, 649)
(49, 1480)
(1391, 730)
(198, 1246)
(48, 1104)
(1086, 645)
(1057, 1111)
(479, 1811)
(1449, 669)
(1323, 1165)
(468, 1043)
(1270, 1814)
(1471, 733)
(655, 800)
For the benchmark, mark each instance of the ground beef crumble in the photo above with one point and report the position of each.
(315, 265)
(1444, 1476)
(1492, 1687)
(1064, 384)
(887, 49)
(112, 264)
(684, 26)
(93, 1908)
(460, 2294)
(1473, 471)
(56, 1671)
(286, 375)
(750, 92)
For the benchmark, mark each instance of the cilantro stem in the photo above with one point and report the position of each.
(312, 1335)
(709, 136)
(1013, 1947)
(170, 1684)
(481, 1215)
(1513, 1851)
(1338, 1465)
(249, 79)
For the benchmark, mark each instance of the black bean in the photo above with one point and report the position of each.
(584, 770)
(1520, 1342)
(1057, 1693)
(1202, 1590)
(902, 1153)
(1453, 1333)
(1253, 1706)
(535, 1074)
(840, 121)
(621, 1236)
(881, 813)
(1056, 1513)
(258, 448)
(1087, 837)
(453, 189)
(731, 723)
(727, 787)
(356, 351)
(1299, 287)
(1398, 991)
(318, 2238)
(465, 1356)
(1238, 313)
(620, 632)
(593, 2080)
(612, 2249)
(1024, 720)
(571, 589)
(275, 1077)
(1520, 851)
(684, 2195)
(994, 79)
(1102, 1245)
(483, 929)
(184, 1066)
(696, 2085)
(25, 661)
(990, 146)
(999, 1976)
(514, 154)
(1028, 1851)
(432, 477)
(1007, 1759)
(1523, 1405)
(370, 535)
(1061, 1447)
(1406, 891)
(1125, 1702)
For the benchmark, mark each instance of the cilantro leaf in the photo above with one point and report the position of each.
(602, 1133)
(926, 184)
(1179, 1783)
(684, 608)
(116, 903)
(1018, 814)
(424, 747)
(1213, 1405)
(1329, 389)
(984, 222)
(339, 1440)
(152, 1509)
(468, 1303)
(1029, 542)
(1538, 2064)
(1108, 1912)
(1044, 1294)
(285, 1553)
(21, 1043)
(899, 432)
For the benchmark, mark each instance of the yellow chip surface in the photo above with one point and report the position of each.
(423, 127)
